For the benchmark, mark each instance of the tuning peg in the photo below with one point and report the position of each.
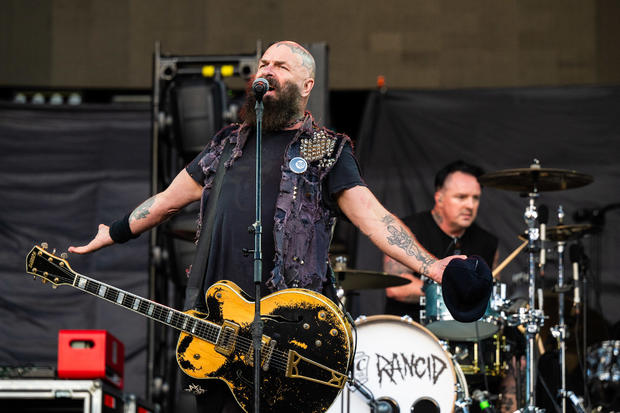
(44, 245)
(43, 280)
(64, 255)
(54, 286)
(54, 251)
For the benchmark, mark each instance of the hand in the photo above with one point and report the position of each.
(436, 270)
(407, 293)
(102, 239)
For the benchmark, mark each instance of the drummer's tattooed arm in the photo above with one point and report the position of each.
(401, 238)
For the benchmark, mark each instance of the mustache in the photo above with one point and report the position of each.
(273, 82)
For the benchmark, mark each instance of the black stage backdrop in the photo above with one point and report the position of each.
(62, 172)
(406, 136)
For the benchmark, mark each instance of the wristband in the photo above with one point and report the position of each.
(120, 231)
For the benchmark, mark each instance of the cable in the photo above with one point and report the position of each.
(541, 379)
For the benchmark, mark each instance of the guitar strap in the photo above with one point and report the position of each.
(195, 284)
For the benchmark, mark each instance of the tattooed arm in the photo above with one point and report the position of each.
(152, 212)
(408, 293)
(388, 233)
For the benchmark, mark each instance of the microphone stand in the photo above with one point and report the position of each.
(257, 229)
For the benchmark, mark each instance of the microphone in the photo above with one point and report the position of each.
(543, 217)
(260, 86)
(575, 254)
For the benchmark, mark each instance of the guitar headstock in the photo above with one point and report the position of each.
(41, 263)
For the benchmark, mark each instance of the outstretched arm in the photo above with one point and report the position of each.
(388, 233)
(182, 191)
(407, 293)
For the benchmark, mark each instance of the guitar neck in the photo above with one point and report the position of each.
(165, 315)
(49, 267)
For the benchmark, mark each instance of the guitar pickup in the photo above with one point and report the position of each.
(227, 338)
(300, 367)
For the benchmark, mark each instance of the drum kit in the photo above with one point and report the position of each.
(437, 365)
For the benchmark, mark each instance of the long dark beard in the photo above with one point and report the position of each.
(278, 111)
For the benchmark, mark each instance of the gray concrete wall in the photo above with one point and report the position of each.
(413, 43)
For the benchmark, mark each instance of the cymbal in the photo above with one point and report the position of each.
(568, 232)
(350, 279)
(565, 232)
(535, 179)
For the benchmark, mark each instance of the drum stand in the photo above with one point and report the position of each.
(559, 331)
(532, 319)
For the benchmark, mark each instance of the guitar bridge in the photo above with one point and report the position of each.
(267, 347)
(300, 367)
(227, 338)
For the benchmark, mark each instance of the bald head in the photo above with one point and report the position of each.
(307, 61)
(285, 63)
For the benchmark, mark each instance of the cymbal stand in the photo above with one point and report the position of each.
(559, 331)
(532, 319)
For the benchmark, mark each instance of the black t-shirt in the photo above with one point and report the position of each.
(475, 241)
(236, 210)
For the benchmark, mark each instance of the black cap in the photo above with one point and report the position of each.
(466, 287)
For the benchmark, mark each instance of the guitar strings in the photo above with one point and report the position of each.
(203, 329)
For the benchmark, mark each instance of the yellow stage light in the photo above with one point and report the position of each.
(227, 70)
(208, 71)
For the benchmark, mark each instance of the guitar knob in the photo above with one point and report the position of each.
(64, 255)
(44, 245)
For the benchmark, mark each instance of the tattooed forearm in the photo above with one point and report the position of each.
(143, 210)
(400, 238)
(392, 266)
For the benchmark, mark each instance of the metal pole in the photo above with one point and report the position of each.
(257, 325)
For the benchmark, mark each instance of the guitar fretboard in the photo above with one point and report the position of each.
(166, 315)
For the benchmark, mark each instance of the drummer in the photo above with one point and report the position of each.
(447, 229)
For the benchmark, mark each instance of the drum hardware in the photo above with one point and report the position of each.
(483, 398)
(535, 179)
(603, 375)
(560, 235)
(467, 354)
(576, 401)
(351, 279)
(463, 400)
(532, 181)
(568, 232)
(533, 319)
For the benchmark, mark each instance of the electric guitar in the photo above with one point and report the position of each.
(306, 345)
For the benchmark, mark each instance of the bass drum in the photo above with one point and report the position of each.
(402, 364)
